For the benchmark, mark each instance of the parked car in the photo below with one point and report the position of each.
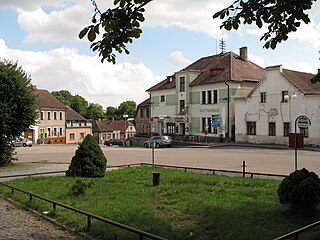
(158, 141)
(22, 143)
(113, 141)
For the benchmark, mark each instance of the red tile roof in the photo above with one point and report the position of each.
(145, 103)
(229, 67)
(302, 81)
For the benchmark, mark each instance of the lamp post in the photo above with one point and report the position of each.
(125, 116)
(228, 111)
(288, 97)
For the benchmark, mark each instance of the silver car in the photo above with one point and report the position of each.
(22, 143)
(158, 141)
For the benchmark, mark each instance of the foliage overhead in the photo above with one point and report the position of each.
(301, 191)
(281, 17)
(18, 106)
(89, 160)
(63, 96)
(122, 24)
(79, 104)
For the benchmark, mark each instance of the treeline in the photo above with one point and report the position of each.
(95, 110)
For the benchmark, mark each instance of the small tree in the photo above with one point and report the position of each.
(89, 160)
(301, 191)
(18, 107)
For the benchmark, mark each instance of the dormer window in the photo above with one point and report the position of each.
(216, 71)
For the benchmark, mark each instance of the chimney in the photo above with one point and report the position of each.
(244, 53)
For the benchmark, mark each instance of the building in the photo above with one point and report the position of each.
(198, 100)
(106, 129)
(101, 131)
(77, 127)
(50, 127)
(125, 128)
(268, 114)
(142, 119)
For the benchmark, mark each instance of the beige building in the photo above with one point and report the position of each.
(50, 127)
(142, 119)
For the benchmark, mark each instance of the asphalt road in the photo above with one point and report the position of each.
(277, 161)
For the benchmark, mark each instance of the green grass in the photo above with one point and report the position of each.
(186, 205)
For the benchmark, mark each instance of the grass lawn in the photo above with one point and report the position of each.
(186, 205)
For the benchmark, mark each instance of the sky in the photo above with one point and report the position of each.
(42, 36)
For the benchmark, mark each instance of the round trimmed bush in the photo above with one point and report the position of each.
(89, 160)
(301, 191)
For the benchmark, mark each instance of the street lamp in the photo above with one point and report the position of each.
(125, 116)
(288, 97)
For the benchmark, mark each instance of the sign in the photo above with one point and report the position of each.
(303, 122)
(296, 140)
(215, 121)
(181, 120)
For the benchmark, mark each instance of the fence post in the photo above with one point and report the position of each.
(89, 222)
(244, 169)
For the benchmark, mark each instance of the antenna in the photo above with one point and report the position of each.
(222, 45)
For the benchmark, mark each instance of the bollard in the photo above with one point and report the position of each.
(156, 178)
(244, 169)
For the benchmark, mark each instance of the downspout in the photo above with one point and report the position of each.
(228, 111)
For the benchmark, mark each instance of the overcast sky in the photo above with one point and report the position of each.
(42, 35)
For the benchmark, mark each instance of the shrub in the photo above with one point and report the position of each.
(89, 160)
(80, 187)
(301, 191)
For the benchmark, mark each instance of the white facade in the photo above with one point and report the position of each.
(266, 108)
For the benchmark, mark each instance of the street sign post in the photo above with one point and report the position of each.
(303, 122)
(215, 120)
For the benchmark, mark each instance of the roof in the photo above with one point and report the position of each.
(73, 115)
(218, 68)
(145, 103)
(100, 126)
(47, 100)
(118, 124)
(302, 81)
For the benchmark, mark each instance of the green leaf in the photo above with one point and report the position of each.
(83, 32)
(91, 35)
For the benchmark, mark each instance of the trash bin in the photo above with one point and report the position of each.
(156, 178)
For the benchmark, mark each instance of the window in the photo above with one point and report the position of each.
(81, 135)
(272, 128)
(162, 98)
(182, 84)
(141, 113)
(286, 129)
(55, 115)
(61, 116)
(49, 115)
(305, 132)
(182, 107)
(55, 131)
(209, 97)
(209, 125)
(49, 131)
(148, 112)
(283, 99)
(71, 136)
(251, 128)
(262, 97)
(203, 99)
(215, 96)
(41, 116)
(204, 126)
(61, 131)
(170, 128)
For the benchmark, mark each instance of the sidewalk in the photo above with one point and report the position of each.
(20, 224)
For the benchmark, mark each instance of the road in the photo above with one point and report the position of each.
(277, 161)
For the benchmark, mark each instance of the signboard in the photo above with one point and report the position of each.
(296, 139)
(215, 120)
(303, 122)
(181, 120)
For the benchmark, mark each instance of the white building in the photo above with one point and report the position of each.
(187, 102)
(269, 112)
